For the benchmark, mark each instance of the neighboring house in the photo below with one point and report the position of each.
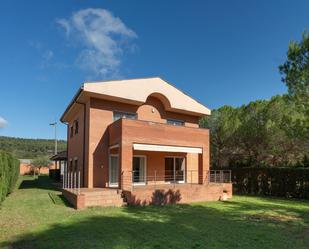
(25, 168)
(60, 162)
(138, 141)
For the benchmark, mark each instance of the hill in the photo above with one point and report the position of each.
(30, 148)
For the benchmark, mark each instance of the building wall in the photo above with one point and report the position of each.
(181, 193)
(99, 116)
(76, 142)
(145, 132)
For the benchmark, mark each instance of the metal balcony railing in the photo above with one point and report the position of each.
(133, 179)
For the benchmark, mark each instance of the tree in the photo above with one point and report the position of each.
(39, 163)
(223, 123)
(295, 72)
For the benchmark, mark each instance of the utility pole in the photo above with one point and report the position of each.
(55, 126)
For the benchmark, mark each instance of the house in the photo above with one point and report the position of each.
(138, 141)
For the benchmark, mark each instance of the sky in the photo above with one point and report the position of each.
(218, 52)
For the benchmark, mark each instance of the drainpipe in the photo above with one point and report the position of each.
(84, 139)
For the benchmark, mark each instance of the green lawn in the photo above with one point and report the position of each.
(34, 216)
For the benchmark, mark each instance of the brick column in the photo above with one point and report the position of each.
(125, 165)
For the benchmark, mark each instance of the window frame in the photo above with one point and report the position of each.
(71, 131)
(145, 170)
(175, 122)
(124, 113)
(76, 127)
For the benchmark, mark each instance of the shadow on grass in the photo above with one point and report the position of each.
(220, 225)
(239, 223)
(41, 182)
(59, 199)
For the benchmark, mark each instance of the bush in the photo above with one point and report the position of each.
(281, 182)
(9, 172)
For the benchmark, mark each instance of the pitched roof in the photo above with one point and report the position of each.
(136, 91)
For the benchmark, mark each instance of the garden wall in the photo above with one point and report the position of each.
(9, 172)
(281, 182)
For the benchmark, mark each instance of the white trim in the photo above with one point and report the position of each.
(167, 148)
(145, 175)
(114, 146)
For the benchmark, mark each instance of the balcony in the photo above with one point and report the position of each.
(146, 132)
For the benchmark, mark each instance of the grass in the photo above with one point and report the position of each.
(36, 216)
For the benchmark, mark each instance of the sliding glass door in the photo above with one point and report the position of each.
(139, 170)
(113, 170)
(174, 169)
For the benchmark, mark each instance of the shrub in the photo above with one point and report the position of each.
(281, 182)
(9, 172)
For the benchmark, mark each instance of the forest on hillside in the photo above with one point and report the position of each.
(271, 132)
(24, 148)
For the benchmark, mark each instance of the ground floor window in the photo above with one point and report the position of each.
(174, 169)
(139, 170)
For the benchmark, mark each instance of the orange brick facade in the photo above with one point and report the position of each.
(99, 136)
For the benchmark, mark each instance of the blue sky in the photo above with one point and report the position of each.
(219, 52)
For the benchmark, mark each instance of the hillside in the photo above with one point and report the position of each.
(30, 148)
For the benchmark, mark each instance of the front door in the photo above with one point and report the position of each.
(113, 170)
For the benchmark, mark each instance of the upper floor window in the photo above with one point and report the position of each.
(71, 131)
(76, 126)
(118, 115)
(175, 122)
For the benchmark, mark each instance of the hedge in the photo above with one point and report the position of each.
(281, 182)
(9, 172)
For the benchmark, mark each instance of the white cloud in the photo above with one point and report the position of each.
(46, 54)
(3, 122)
(103, 38)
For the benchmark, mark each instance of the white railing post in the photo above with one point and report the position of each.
(71, 180)
(78, 181)
(75, 179)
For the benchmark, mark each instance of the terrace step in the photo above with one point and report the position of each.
(104, 198)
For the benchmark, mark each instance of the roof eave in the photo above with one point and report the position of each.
(77, 94)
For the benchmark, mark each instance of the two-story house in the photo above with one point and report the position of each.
(138, 141)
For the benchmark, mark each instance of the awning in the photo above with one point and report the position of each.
(167, 148)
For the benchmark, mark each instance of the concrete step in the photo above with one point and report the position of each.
(104, 198)
(102, 193)
(104, 203)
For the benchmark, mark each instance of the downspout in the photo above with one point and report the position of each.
(67, 163)
(84, 140)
